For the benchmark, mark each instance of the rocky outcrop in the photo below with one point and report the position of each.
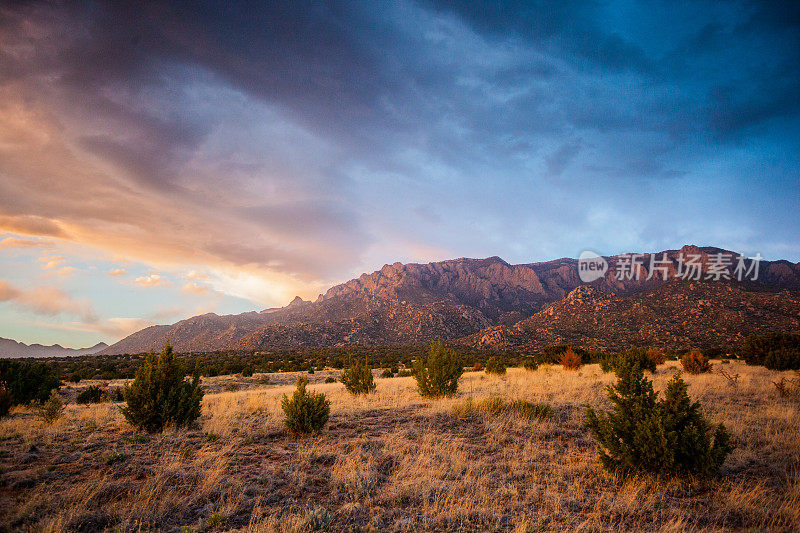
(676, 314)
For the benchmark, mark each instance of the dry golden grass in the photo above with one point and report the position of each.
(394, 461)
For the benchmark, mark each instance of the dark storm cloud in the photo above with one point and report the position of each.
(280, 133)
(333, 64)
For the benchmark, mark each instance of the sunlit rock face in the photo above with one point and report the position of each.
(536, 304)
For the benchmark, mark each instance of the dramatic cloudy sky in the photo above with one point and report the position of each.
(162, 160)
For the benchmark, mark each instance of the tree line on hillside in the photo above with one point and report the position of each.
(108, 367)
(24, 381)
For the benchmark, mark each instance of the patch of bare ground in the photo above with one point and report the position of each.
(392, 461)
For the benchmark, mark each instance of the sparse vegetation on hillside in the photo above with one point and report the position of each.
(160, 396)
(438, 375)
(645, 434)
(306, 412)
(357, 377)
(723, 315)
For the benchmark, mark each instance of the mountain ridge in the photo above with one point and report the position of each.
(15, 349)
(403, 303)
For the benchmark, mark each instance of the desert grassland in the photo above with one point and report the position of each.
(394, 461)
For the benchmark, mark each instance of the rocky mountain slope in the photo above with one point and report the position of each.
(12, 348)
(672, 315)
(414, 303)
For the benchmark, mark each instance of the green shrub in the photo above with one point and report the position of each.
(139, 438)
(52, 409)
(468, 407)
(495, 366)
(784, 358)
(91, 394)
(776, 351)
(789, 388)
(530, 364)
(28, 381)
(464, 408)
(316, 518)
(216, 520)
(160, 396)
(404, 373)
(113, 457)
(714, 352)
(387, 373)
(247, 371)
(493, 406)
(438, 375)
(330, 379)
(695, 362)
(530, 411)
(497, 406)
(609, 362)
(642, 434)
(306, 412)
(357, 377)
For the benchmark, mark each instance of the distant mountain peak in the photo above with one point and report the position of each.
(12, 348)
(297, 302)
